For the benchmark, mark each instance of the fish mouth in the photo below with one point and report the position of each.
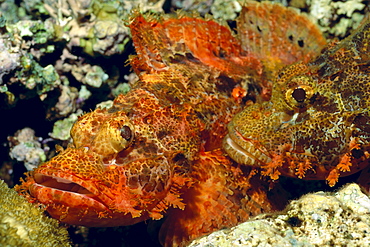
(61, 184)
(245, 151)
(76, 201)
(69, 199)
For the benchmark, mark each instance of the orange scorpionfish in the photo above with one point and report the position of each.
(157, 151)
(317, 123)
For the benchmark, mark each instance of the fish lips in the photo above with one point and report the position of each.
(244, 150)
(74, 201)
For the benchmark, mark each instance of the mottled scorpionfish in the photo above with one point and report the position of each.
(158, 150)
(317, 123)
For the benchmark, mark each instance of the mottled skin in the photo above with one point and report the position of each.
(157, 150)
(317, 123)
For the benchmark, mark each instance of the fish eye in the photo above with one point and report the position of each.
(121, 134)
(115, 135)
(126, 133)
(299, 96)
(298, 91)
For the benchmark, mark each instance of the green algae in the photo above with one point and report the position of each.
(34, 76)
(62, 128)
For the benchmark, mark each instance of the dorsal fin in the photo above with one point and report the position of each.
(278, 34)
(160, 42)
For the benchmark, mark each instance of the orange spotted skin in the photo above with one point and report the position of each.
(316, 125)
(157, 150)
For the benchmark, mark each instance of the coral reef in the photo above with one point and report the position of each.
(24, 224)
(22, 70)
(317, 219)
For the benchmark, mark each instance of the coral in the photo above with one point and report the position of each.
(26, 70)
(91, 75)
(34, 7)
(62, 128)
(108, 38)
(226, 10)
(24, 224)
(8, 61)
(27, 149)
(337, 18)
(318, 219)
(10, 11)
(83, 94)
(97, 27)
(122, 88)
(33, 76)
(35, 32)
(105, 104)
(67, 100)
(199, 6)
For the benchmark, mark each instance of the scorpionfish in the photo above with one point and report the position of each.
(317, 123)
(158, 150)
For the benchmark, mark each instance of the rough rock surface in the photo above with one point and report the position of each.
(318, 219)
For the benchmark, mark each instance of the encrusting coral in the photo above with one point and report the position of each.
(24, 224)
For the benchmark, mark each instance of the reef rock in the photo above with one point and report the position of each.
(318, 219)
